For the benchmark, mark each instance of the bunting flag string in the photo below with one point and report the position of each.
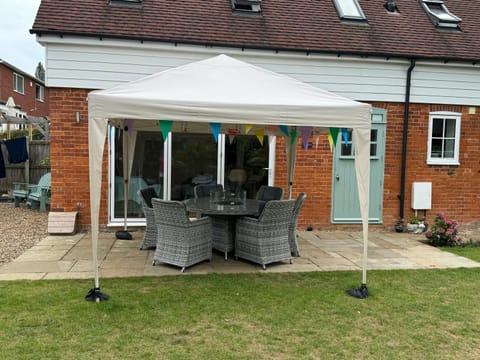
(259, 134)
(305, 132)
(165, 126)
(215, 128)
(248, 127)
(345, 136)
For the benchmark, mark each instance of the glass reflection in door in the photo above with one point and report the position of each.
(194, 161)
(147, 171)
(246, 164)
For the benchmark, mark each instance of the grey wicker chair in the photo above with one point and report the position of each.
(265, 240)
(267, 193)
(150, 235)
(181, 241)
(204, 190)
(292, 234)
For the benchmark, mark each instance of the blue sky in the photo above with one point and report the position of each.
(18, 46)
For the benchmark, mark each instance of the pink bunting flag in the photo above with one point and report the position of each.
(305, 132)
(272, 129)
(130, 127)
(215, 128)
(231, 134)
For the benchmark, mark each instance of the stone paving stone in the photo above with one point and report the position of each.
(82, 266)
(69, 275)
(36, 266)
(22, 276)
(42, 255)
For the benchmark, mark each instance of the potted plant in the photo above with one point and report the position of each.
(412, 226)
(400, 225)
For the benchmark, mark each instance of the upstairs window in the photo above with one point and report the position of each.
(349, 10)
(39, 92)
(247, 6)
(443, 138)
(439, 14)
(18, 83)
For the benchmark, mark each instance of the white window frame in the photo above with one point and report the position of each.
(16, 81)
(442, 19)
(441, 160)
(42, 92)
(344, 8)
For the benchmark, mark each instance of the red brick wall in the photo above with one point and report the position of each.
(27, 101)
(69, 155)
(456, 189)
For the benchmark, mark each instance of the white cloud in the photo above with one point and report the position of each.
(17, 46)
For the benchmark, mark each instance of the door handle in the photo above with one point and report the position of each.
(337, 177)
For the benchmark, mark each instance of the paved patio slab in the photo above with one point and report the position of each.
(70, 257)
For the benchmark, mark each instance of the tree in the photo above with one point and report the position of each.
(40, 71)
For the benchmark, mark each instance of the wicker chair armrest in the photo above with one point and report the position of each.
(200, 221)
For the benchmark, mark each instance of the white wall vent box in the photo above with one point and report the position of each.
(421, 195)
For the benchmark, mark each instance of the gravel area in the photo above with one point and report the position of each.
(20, 229)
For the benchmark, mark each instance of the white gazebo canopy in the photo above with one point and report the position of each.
(229, 91)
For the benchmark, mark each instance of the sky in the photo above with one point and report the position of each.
(19, 47)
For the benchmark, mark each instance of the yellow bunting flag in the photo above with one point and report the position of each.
(330, 141)
(248, 127)
(260, 133)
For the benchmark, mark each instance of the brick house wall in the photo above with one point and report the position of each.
(455, 189)
(26, 101)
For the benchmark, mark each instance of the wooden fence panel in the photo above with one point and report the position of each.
(38, 151)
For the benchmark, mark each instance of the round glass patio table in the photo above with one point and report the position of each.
(223, 217)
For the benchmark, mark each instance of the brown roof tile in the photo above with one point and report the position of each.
(305, 25)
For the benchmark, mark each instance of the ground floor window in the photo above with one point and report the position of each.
(443, 138)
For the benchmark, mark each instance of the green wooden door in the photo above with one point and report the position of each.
(345, 206)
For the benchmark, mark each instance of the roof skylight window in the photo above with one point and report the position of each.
(126, 2)
(253, 6)
(349, 10)
(439, 14)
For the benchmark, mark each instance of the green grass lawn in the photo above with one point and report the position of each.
(414, 314)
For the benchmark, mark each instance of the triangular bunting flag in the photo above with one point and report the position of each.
(272, 129)
(305, 132)
(283, 129)
(215, 128)
(293, 135)
(130, 127)
(334, 134)
(345, 136)
(165, 126)
(260, 133)
(330, 141)
(317, 138)
(248, 127)
(231, 135)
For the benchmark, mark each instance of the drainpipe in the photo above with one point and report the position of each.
(405, 137)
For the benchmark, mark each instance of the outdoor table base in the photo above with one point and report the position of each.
(223, 219)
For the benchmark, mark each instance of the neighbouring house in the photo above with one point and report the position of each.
(417, 62)
(27, 94)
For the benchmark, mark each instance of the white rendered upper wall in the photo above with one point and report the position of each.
(91, 63)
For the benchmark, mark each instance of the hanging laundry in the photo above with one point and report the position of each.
(17, 150)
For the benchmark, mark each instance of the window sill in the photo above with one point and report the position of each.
(430, 162)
